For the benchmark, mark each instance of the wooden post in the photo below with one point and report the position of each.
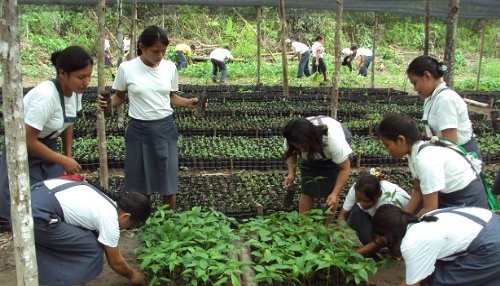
(15, 146)
(426, 26)
(133, 41)
(337, 48)
(101, 86)
(481, 49)
(375, 29)
(119, 30)
(259, 41)
(451, 34)
(284, 59)
(120, 110)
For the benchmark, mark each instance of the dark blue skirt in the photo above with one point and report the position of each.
(152, 157)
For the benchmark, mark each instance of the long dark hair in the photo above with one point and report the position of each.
(396, 124)
(301, 132)
(392, 222)
(422, 64)
(137, 204)
(370, 186)
(72, 58)
(150, 36)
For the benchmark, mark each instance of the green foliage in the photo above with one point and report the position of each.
(197, 248)
(291, 247)
(194, 247)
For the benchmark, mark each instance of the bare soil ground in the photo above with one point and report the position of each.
(393, 274)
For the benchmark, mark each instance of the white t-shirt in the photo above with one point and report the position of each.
(126, 44)
(391, 194)
(148, 88)
(345, 53)
(363, 52)
(43, 111)
(107, 46)
(298, 47)
(439, 169)
(445, 109)
(317, 48)
(336, 147)
(84, 207)
(221, 54)
(425, 242)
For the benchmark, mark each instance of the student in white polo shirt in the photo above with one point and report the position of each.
(322, 145)
(218, 58)
(445, 112)
(151, 84)
(50, 110)
(364, 197)
(457, 246)
(441, 176)
(301, 51)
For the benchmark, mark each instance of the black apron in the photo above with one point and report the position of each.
(66, 254)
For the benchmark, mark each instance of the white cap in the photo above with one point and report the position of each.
(288, 41)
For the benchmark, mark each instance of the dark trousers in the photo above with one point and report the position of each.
(304, 65)
(218, 66)
(181, 60)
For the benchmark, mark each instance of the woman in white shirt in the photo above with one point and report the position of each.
(441, 176)
(50, 110)
(445, 112)
(75, 224)
(369, 193)
(457, 246)
(322, 144)
(318, 52)
(151, 84)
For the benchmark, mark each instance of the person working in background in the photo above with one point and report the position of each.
(318, 52)
(364, 57)
(126, 47)
(301, 51)
(218, 58)
(184, 55)
(108, 56)
(348, 55)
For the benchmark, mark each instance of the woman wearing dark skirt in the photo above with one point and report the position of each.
(321, 142)
(151, 158)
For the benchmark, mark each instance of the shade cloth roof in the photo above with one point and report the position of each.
(487, 9)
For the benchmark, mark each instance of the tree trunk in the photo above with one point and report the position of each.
(375, 30)
(426, 26)
(15, 146)
(101, 86)
(119, 31)
(337, 47)
(284, 60)
(133, 41)
(259, 42)
(451, 34)
(481, 50)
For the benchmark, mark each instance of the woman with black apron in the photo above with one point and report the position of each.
(321, 142)
(49, 112)
(441, 176)
(456, 246)
(445, 112)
